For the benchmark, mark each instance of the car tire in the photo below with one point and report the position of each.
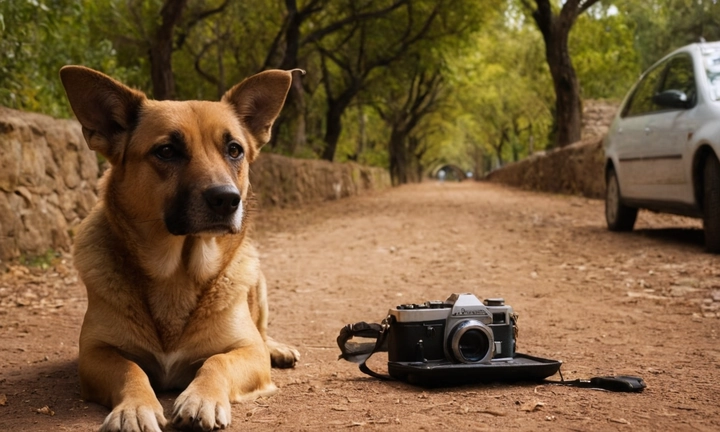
(618, 216)
(711, 204)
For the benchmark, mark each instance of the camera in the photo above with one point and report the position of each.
(461, 329)
(457, 341)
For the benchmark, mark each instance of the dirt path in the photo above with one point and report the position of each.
(639, 303)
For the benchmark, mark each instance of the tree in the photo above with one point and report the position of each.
(153, 30)
(370, 50)
(350, 58)
(37, 40)
(663, 25)
(604, 57)
(500, 97)
(161, 49)
(403, 111)
(285, 51)
(555, 29)
(218, 46)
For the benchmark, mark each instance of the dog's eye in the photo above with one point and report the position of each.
(166, 152)
(235, 150)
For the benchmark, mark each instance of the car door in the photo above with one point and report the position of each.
(634, 143)
(670, 131)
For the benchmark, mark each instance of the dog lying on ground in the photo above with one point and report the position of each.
(176, 297)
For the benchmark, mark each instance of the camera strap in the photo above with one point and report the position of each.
(619, 383)
(359, 352)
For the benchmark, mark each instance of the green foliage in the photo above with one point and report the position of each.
(605, 60)
(494, 103)
(501, 98)
(661, 26)
(364, 137)
(223, 49)
(37, 38)
(410, 93)
(43, 261)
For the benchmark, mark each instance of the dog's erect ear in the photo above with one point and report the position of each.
(105, 108)
(259, 99)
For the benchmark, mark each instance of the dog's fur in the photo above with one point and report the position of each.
(176, 297)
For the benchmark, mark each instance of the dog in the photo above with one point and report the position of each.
(176, 296)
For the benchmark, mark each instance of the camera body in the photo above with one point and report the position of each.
(461, 329)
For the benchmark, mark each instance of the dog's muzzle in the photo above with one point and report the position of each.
(215, 210)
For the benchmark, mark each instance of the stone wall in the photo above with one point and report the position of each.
(48, 182)
(48, 178)
(283, 181)
(577, 169)
(597, 116)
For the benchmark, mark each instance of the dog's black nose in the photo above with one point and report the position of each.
(223, 200)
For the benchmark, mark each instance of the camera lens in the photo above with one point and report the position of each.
(471, 342)
(473, 345)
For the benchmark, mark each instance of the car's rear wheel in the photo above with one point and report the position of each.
(711, 206)
(619, 217)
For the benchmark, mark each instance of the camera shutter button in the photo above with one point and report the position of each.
(498, 301)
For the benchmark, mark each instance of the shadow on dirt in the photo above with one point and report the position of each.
(46, 396)
(678, 236)
(444, 388)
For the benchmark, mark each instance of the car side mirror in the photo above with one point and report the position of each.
(672, 99)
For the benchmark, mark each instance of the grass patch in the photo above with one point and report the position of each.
(44, 261)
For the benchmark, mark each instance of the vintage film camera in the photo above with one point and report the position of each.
(461, 329)
(456, 341)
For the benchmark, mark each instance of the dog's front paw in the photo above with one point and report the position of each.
(129, 417)
(198, 412)
(281, 355)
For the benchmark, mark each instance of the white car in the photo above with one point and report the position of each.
(662, 148)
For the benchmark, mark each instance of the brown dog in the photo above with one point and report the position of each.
(176, 298)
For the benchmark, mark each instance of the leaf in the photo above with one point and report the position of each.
(45, 410)
(619, 420)
(531, 406)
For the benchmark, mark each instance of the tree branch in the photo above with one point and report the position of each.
(321, 33)
(196, 18)
(585, 5)
(198, 59)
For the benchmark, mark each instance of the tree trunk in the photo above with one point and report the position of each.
(335, 109)
(568, 110)
(297, 99)
(292, 36)
(499, 148)
(398, 158)
(362, 136)
(478, 163)
(161, 50)
(416, 156)
(292, 118)
(332, 132)
(555, 29)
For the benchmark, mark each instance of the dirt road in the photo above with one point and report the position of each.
(638, 303)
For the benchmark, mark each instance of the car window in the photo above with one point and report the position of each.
(679, 75)
(712, 68)
(641, 100)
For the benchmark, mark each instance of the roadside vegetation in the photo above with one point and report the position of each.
(404, 84)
